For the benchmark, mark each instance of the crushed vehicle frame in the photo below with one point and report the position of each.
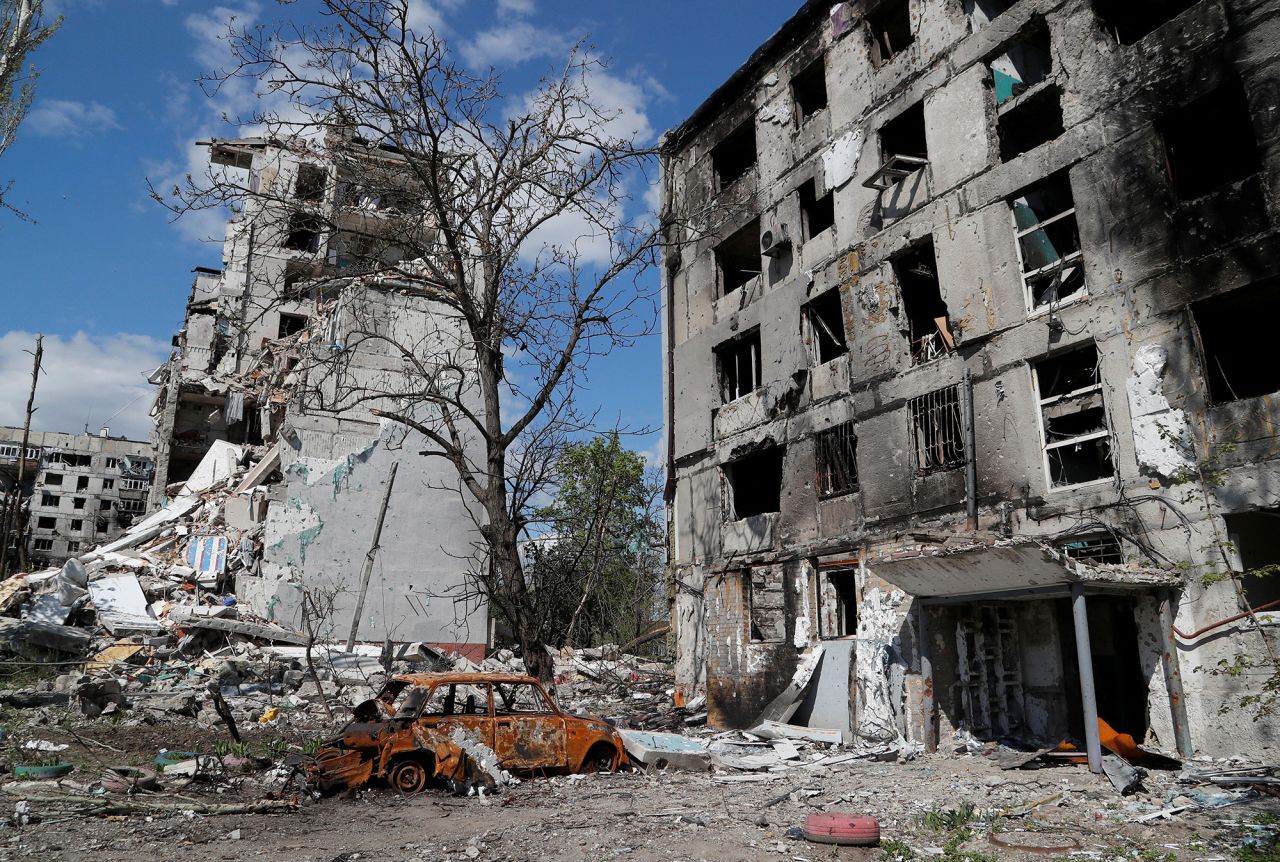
(440, 726)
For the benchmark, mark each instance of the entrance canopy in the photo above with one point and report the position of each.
(969, 568)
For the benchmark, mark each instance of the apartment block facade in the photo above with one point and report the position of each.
(964, 313)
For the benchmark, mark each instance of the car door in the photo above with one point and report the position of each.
(465, 705)
(530, 730)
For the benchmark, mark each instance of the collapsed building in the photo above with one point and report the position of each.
(77, 491)
(965, 401)
(287, 352)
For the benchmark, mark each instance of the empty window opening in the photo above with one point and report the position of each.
(836, 457)
(1232, 326)
(1127, 21)
(112, 463)
(809, 89)
(53, 478)
(108, 484)
(1031, 121)
(824, 327)
(937, 432)
(73, 547)
(312, 180)
(49, 500)
(838, 604)
(104, 506)
(929, 324)
(42, 545)
(1044, 223)
(739, 362)
(983, 12)
(889, 25)
(736, 154)
(70, 459)
(755, 484)
(82, 483)
(1098, 550)
(304, 233)
(46, 523)
(738, 257)
(1256, 537)
(77, 502)
(1209, 143)
(1076, 437)
(903, 148)
(764, 593)
(1025, 64)
(989, 690)
(77, 525)
(291, 324)
(818, 213)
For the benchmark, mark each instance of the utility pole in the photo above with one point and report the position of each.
(13, 516)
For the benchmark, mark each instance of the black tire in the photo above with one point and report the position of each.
(601, 758)
(409, 775)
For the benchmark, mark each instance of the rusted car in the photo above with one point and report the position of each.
(442, 726)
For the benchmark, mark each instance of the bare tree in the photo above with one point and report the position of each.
(467, 185)
(21, 32)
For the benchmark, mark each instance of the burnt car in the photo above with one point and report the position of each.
(451, 726)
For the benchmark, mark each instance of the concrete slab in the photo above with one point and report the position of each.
(666, 750)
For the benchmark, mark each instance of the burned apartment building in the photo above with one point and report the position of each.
(287, 350)
(78, 491)
(966, 314)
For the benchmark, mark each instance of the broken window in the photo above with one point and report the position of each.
(1232, 326)
(520, 698)
(49, 500)
(312, 180)
(77, 502)
(765, 596)
(937, 432)
(303, 234)
(1077, 439)
(1257, 541)
(46, 523)
(824, 327)
(1095, 550)
(809, 89)
(735, 155)
(836, 456)
(983, 12)
(100, 523)
(134, 506)
(42, 545)
(53, 478)
(82, 483)
(291, 324)
(1209, 143)
(108, 484)
(1044, 224)
(104, 506)
(817, 213)
(112, 463)
(838, 603)
(739, 362)
(134, 484)
(755, 484)
(928, 321)
(738, 257)
(73, 547)
(77, 525)
(1028, 104)
(903, 148)
(889, 26)
(1129, 20)
(1019, 69)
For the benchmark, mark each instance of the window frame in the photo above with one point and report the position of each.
(1041, 403)
(1028, 277)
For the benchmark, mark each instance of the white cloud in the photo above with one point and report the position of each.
(514, 42)
(63, 118)
(86, 379)
(517, 7)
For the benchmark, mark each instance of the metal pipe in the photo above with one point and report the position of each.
(1173, 678)
(970, 453)
(926, 677)
(1088, 697)
(1211, 626)
(368, 558)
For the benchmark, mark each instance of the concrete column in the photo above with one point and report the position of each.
(1173, 678)
(926, 677)
(1084, 655)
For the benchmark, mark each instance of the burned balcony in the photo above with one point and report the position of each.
(928, 320)
(1073, 419)
(824, 331)
(1048, 243)
(1230, 328)
(903, 149)
(753, 484)
(937, 430)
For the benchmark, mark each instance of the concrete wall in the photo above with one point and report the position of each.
(1145, 257)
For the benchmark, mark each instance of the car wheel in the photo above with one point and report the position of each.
(599, 759)
(409, 776)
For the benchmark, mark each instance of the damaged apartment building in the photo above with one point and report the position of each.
(966, 307)
(285, 353)
(78, 491)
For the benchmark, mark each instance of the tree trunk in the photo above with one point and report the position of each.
(504, 545)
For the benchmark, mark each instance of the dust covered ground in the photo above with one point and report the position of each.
(958, 808)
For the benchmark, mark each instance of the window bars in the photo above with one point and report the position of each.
(937, 430)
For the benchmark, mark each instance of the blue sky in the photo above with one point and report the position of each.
(104, 275)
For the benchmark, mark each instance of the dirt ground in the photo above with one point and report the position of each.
(957, 808)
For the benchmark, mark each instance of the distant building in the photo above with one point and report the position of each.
(83, 490)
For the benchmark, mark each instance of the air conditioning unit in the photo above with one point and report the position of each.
(774, 241)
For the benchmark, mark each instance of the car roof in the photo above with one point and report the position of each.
(466, 678)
